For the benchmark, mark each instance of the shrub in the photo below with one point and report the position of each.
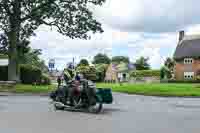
(30, 74)
(45, 80)
(180, 81)
(88, 72)
(145, 73)
(3, 73)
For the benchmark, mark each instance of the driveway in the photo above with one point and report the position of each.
(129, 114)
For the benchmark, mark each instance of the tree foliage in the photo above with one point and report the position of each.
(101, 59)
(3, 44)
(88, 72)
(167, 69)
(142, 64)
(101, 71)
(118, 59)
(32, 58)
(25, 54)
(83, 62)
(165, 73)
(20, 18)
(169, 63)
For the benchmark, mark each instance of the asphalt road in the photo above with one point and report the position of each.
(129, 114)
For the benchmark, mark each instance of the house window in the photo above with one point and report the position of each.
(188, 75)
(188, 61)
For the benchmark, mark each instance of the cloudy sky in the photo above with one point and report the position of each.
(132, 28)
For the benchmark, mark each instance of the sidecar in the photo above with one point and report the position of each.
(104, 95)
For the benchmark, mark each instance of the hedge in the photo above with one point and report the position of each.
(3, 73)
(30, 74)
(88, 72)
(145, 73)
(180, 81)
(45, 80)
(2, 56)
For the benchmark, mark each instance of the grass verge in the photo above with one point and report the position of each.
(170, 90)
(21, 88)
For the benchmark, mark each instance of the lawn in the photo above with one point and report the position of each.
(186, 90)
(21, 88)
(180, 90)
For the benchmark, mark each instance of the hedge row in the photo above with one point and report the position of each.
(28, 75)
(88, 72)
(180, 81)
(145, 73)
(3, 56)
(3, 73)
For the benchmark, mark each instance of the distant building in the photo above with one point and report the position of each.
(119, 72)
(54, 74)
(111, 73)
(3, 60)
(187, 57)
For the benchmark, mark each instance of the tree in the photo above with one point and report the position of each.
(169, 63)
(101, 59)
(3, 44)
(25, 54)
(88, 72)
(168, 67)
(32, 58)
(20, 18)
(165, 73)
(101, 71)
(118, 59)
(83, 62)
(142, 64)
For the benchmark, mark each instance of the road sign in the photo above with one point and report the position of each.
(52, 63)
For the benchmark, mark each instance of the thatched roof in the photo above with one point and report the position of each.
(188, 47)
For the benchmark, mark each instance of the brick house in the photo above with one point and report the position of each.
(187, 57)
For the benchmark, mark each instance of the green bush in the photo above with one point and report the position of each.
(180, 81)
(88, 72)
(100, 72)
(45, 80)
(91, 75)
(2, 56)
(30, 74)
(3, 73)
(145, 73)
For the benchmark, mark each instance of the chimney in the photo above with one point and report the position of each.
(181, 35)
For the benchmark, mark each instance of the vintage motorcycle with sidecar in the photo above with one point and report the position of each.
(81, 96)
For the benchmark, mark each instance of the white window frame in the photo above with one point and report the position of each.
(188, 75)
(188, 61)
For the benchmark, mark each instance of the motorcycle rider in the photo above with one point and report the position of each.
(68, 75)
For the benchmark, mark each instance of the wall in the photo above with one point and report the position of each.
(180, 68)
(145, 80)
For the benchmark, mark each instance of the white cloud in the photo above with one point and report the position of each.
(150, 15)
(146, 27)
(63, 49)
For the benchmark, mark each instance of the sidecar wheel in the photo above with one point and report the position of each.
(97, 107)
